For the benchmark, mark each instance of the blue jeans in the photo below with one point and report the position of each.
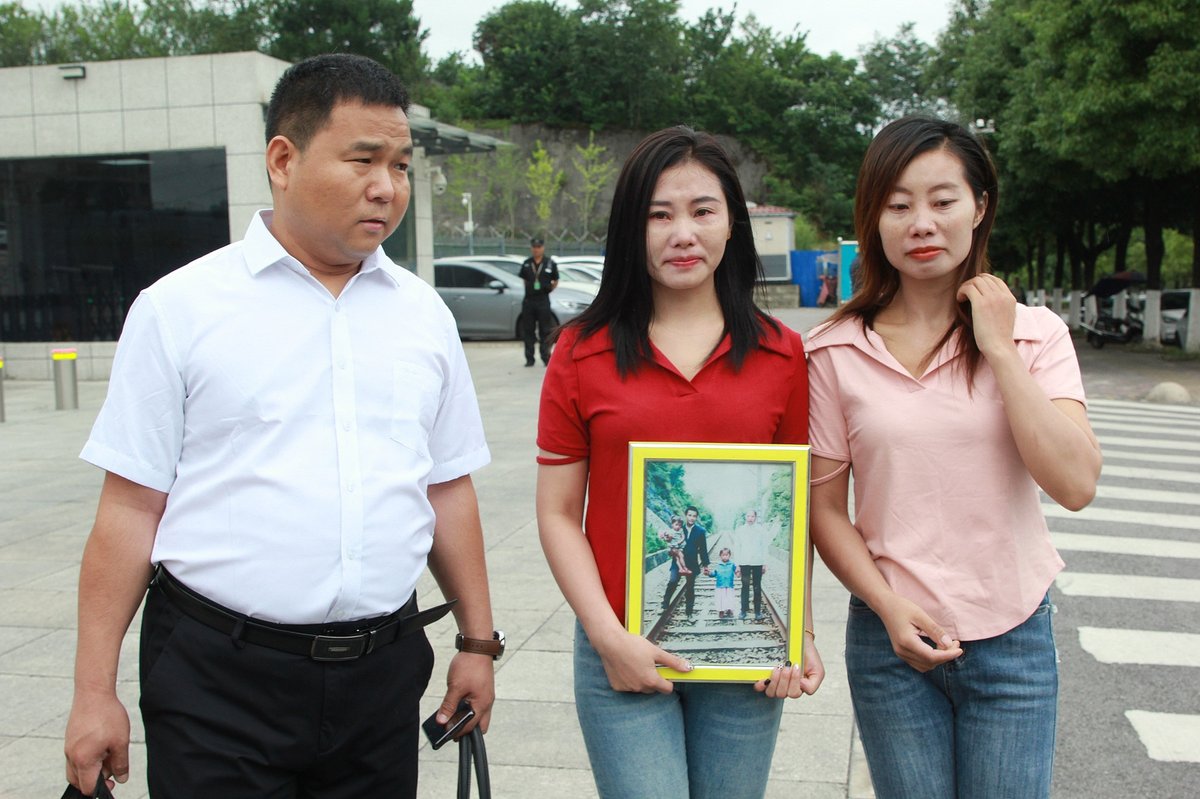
(979, 726)
(703, 741)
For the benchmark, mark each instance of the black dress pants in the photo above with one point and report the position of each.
(241, 721)
(536, 313)
(751, 581)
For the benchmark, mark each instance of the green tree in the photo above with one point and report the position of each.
(385, 30)
(105, 31)
(114, 29)
(21, 35)
(544, 182)
(454, 89)
(595, 172)
(899, 73)
(506, 173)
(183, 27)
(626, 63)
(526, 49)
(1096, 127)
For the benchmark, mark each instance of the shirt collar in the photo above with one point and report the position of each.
(852, 332)
(263, 250)
(601, 341)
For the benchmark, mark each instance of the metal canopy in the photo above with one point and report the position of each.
(438, 138)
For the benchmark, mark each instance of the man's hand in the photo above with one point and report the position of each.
(470, 677)
(97, 741)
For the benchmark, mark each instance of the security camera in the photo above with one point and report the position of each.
(438, 180)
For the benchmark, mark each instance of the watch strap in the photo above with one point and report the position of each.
(492, 647)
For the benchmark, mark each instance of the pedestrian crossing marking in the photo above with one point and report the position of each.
(1160, 475)
(1153, 446)
(1148, 495)
(1148, 428)
(1125, 545)
(1178, 521)
(1141, 647)
(1145, 408)
(1169, 737)
(1153, 443)
(1111, 455)
(1128, 586)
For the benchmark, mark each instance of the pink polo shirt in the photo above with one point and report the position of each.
(942, 498)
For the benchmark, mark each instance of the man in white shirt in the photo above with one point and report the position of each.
(288, 438)
(751, 542)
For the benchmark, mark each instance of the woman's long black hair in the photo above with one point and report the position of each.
(625, 302)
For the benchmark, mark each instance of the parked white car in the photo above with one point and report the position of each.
(1174, 316)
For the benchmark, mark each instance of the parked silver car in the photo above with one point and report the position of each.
(486, 300)
(512, 265)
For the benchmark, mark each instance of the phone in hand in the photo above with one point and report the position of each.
(439, 734)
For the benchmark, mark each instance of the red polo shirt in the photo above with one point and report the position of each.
(587, 411)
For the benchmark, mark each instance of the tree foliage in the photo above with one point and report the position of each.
(1090, 107)
(385, 30)
(595, 171)
(1095, 123)
(544, 181)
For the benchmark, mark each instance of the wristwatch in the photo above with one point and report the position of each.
(481, 646)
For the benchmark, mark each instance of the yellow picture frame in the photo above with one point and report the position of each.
(747, 497)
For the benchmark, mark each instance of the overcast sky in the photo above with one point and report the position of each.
(831, 26)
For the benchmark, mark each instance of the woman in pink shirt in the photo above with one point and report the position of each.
(953, 405)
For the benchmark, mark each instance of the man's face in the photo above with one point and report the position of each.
(338, 199)
(691, 517)
(538, 251)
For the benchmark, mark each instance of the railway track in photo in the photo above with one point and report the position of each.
(705, 638)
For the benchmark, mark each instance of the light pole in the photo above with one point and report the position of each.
(470, 226)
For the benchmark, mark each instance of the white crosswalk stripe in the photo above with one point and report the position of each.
(1145, 647)
(1149, 484)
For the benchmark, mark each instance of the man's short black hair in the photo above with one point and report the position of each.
(307, 92)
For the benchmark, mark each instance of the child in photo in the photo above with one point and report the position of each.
(674, 541)
(724, 572)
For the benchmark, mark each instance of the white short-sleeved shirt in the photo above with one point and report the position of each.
(295, 433)
(942, 498)
(750, 543)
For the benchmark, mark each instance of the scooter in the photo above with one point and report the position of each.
(1107, 328)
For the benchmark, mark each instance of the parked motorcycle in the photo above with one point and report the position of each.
(1107, 328)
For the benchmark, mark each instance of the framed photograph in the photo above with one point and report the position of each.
(718, 555)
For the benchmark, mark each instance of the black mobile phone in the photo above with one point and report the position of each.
(438, 734)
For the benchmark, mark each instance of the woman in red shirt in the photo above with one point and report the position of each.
(672, 349)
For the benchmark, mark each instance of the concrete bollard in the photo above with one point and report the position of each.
(1, 389)
(66, 383)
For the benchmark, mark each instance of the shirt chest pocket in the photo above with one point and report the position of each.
(416, 396)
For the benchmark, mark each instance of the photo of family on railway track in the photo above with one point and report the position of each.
(718, 543)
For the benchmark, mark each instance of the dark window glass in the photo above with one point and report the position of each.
(81, 236)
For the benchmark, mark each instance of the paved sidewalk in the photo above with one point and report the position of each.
(47, 500)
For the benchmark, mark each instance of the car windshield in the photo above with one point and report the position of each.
(1174, 300)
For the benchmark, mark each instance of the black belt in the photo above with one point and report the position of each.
(388, 629)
